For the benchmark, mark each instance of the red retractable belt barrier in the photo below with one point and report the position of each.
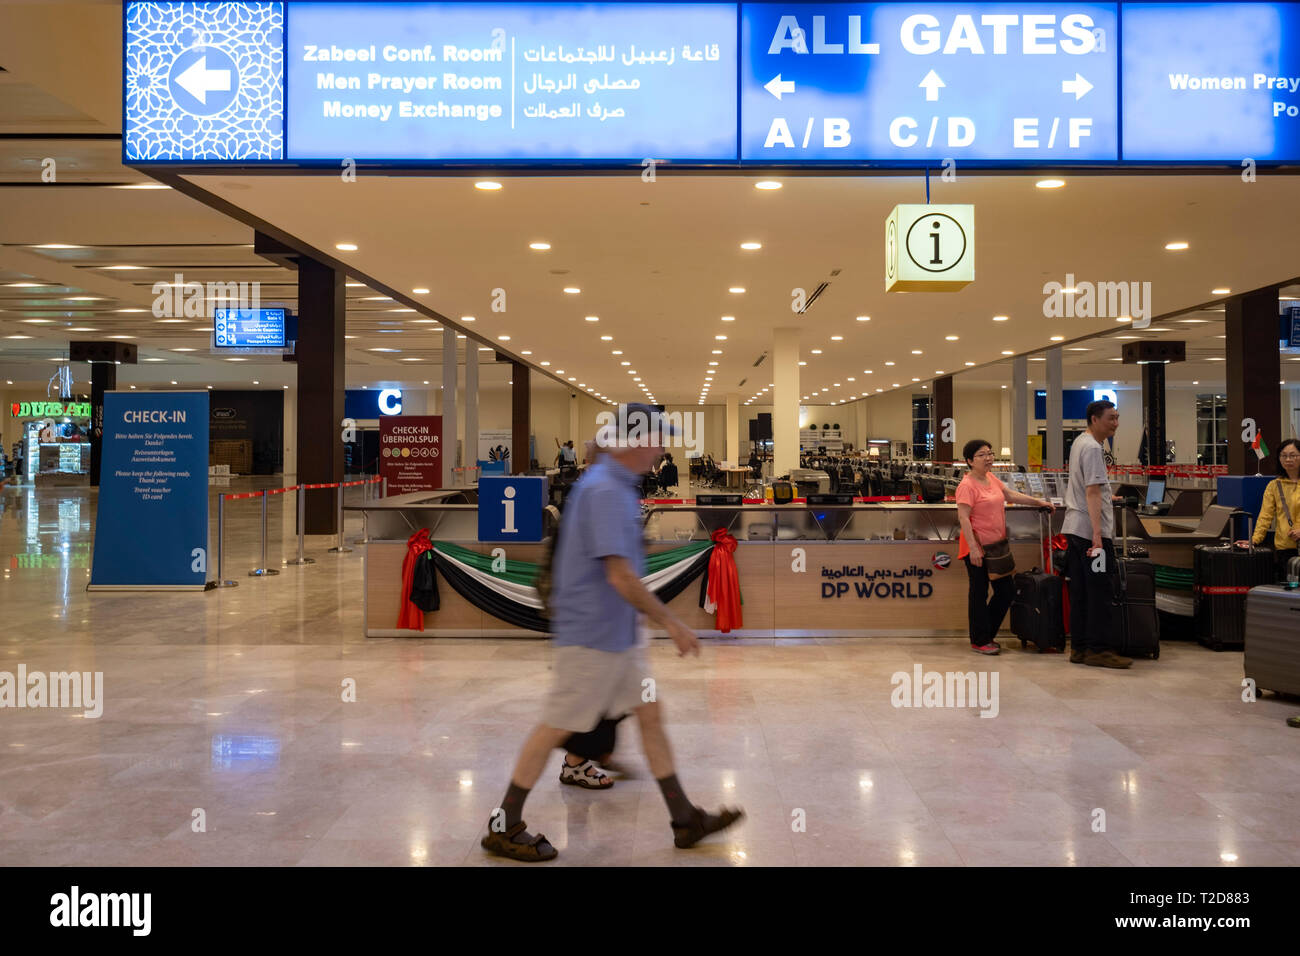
(724, 581)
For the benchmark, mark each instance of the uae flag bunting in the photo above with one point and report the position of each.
(511, 594)
(1261, 450)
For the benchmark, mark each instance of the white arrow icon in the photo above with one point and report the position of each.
(199, 81)
(1078, 86)
(932, 84)
(777, 86)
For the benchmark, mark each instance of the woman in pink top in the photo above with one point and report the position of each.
(981, 508)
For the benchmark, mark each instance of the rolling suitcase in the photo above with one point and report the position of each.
(1272, 657)
(1135, 609)
(1036, 615)
(1222, 577)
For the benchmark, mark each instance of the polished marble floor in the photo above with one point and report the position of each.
(230, 703)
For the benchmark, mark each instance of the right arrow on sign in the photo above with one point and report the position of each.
(776, 86)
(1078, 86)
(932, 83)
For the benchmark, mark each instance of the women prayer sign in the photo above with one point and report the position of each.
(410, 452)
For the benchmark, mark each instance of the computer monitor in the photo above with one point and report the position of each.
(1155, 491)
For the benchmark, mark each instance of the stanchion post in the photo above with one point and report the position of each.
(302, 528)
(263, 571)
(221, 581)
(339, 548)
(384, 494)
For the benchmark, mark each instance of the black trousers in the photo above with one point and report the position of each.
(1092, 595)
(1281, 556)
(595, 743)
(983, 613)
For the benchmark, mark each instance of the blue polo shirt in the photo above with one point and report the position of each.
(602, 518)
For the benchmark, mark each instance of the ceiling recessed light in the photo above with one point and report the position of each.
(720, 338)
(1058, 338)
(18, 336)
(1008, 352)
(815, 351)
(1000, 318)
(751, 245)
(545, 363)
(420, 291)
(1050, 183)
(55, 245)
(346, 246)
(38, 321)
(487, 185)
(736, 289)
(539, 246)
(503, 338)
(120, 268)
(592, 318)
(25, 285)
(121, 336)
(467, 318)
(1124, 318)
(767, 184)
(916, 352)
(969, 364)
(950, 338)
(889, 363)
(1219, 291)
(525, 352)
(837, 338)
(1176, 246)
(572, 289)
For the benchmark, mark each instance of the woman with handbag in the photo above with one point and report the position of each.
(982, 499)
(1280, 508)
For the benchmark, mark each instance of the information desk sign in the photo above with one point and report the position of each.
(151, 524)
(510, 508)
(248, 328)
(841, 82)
(929, 248)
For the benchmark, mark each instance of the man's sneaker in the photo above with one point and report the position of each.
(1076, 655)
(1106, 658)
(986, 648)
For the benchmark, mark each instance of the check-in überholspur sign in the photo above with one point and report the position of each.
(764, 84)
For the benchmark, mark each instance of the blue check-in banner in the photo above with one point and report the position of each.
(309, 82)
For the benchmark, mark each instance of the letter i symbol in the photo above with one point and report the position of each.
(508, 502)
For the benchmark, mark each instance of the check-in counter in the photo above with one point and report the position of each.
(861, 570)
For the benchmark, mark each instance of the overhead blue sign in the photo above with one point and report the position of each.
(765, 84)
(151, 523)
(512, 81)
(367, 403)
(510, 508)
(854, 82)
(1211, 81)
(248, 328)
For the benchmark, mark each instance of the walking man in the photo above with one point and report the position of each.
(1089, 527)
(599, 668)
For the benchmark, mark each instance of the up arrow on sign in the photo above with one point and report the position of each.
(932, 83)
(1078, 86)
(777, 86)
(199, 81)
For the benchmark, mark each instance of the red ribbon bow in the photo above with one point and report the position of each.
(724, 582)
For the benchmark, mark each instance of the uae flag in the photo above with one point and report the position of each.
(1261, 450)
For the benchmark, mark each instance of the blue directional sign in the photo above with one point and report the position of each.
(248, 328)
(912, 81)
(1211, 81)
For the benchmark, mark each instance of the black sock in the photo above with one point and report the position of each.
(680, 809)
(512, 805)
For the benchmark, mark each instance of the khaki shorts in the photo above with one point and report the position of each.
(589, 684)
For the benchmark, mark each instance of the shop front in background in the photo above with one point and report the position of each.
(246, 431)
(55, 442)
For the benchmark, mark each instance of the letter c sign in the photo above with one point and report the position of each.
(390, 401)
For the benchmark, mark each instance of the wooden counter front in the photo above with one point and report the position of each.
(778, 600)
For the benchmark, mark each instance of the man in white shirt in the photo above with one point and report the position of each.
(1089, 527)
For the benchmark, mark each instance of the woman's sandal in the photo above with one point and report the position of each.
(537, 849)
(585, 774)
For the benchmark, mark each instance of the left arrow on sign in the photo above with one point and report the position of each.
(199, 81)
(932, 83)
(776, 86)
(1078, 86)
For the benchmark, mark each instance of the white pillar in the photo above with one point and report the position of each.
(290, 464)
(471, 403)
(732, 448)
(1020, 410)
(785, 401)
(449, 363)
(575, 425)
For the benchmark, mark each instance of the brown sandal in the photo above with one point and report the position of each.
(536, 849)
(692, 832)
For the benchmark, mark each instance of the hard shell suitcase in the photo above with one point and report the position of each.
(1036, 615)
(1223, 575)
(1272, 657)
(1135, 611)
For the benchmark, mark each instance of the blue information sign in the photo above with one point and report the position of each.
(923, 81)
(253, 82)
(510, 508)
(1211, 81)
(151, 525)
(248, 328)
